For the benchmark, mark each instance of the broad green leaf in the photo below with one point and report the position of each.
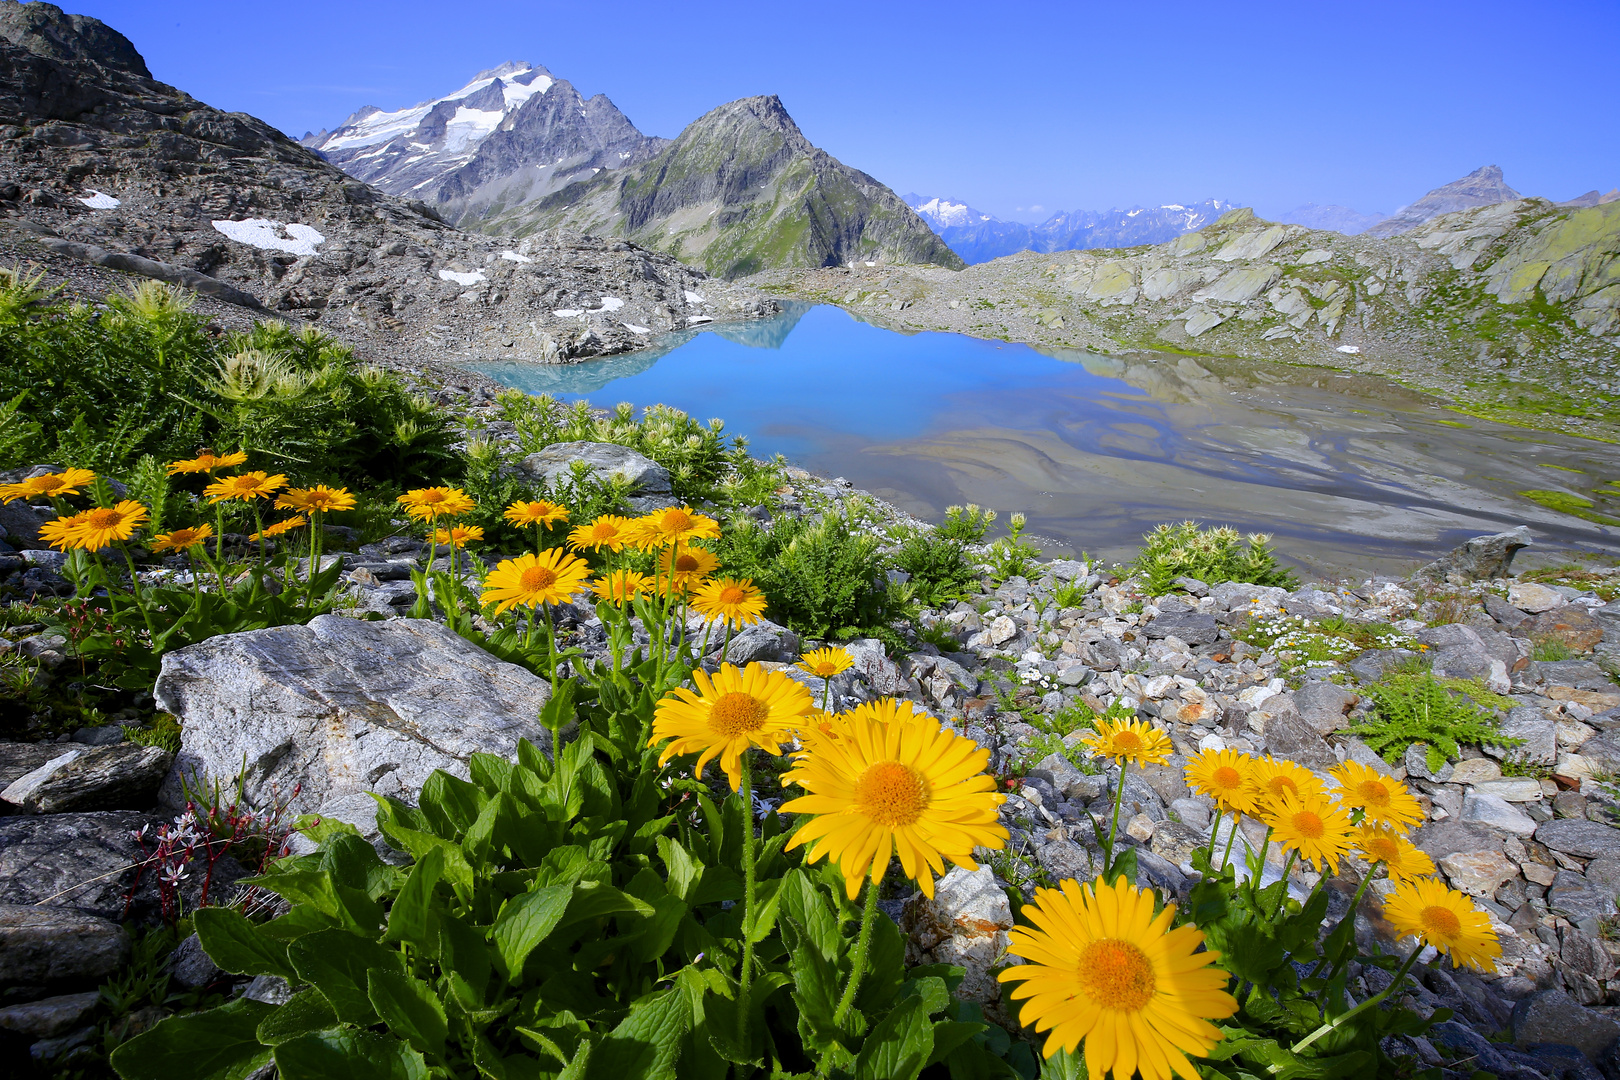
(766, 899)
(337, 963)
(684, 871)
(490, 772)
(219, 1044)
(238, 946)
(930, 989)
(899, 1047)
(525, 922)
(816, 989)
(465, 959)
(885, 968)
(950, 1034)
(349, 860)
(1065, 1066)
(450, 804)
(312, 887)
(645, 1044)
(305, 1011)
(346, 1054)
(803, 902)
(408, 919)
(410, 1009)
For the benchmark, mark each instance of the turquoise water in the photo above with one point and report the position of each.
(1349, 472)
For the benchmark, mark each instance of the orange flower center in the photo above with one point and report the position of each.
(1373, 793)
(892, 794)
(1384, 850)
(1227, 778)
(45, 484)
(104, 519)
(737, 714)
(433, 497)
(1128, 740)
(1279, 784)
(732, 595)
(603, 531)
(1117, 975)
(537, 579)
(1308, 825)
(1440, 922)
(824, 668)
(686, 564)
(676, 520)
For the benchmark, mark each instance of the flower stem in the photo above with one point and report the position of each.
(1214, 834)
(745, 978)
(1226, 855)
(1113, 830)
(1363, 1007)
(858, 958)
(1288, 864)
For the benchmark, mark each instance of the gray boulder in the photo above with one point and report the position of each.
(1552, 1016)
(82, 861)
(1576, 898)
(341, 707)
(1288, 735)
(1539, 732)
(57, 947)
(1191, 627)
(21, 522)
(555, 464)
(1583, 839)
(1322, 705)
(1482, 558)
(19, 759)
(123, 776)
(1370, 666)
(1441, 838)
(1601, 751)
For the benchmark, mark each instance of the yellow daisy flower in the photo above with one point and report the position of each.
(621, 586)
(245, 486)
(1224, 776)
(1105, 971)
(1442, 917)
(431, 503)
(319, 499)
(59, 532)
(1402, 859)
(1130, 740)
(1275, 777)
(207, 461)
(736, 601)
(51, 485)
(879, 789)
(683, 569)
(1314, 826)
(458, 536)
(1381, 798)
(280, 528)
(538, 512)
(673, 527)
(608, 531)
(825, 663)
(98, 528)
(728, 714)
(181, 539)
(551, 577)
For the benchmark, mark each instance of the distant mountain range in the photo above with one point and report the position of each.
(978, 237)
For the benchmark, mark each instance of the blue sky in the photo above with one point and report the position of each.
(1012, 106)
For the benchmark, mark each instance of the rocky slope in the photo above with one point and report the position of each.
(739, 191)
(102, 166)
(979, 237)
(1484, 186)
(1511, 309)
(513, 133)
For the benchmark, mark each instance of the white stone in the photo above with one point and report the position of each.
(1533, 597)
(1498, 813)
(1212, 742)
(1002, 629)
(1521, 789)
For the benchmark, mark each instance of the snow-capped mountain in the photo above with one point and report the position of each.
(513, 133)
(979, 237)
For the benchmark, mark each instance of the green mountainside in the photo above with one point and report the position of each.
(739, 191)
(1511, 310)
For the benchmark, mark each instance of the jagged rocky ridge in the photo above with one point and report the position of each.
(100, 164)
(979, 237)
(739, 191)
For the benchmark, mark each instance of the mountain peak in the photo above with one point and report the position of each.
(1485, 186)
(47, 30)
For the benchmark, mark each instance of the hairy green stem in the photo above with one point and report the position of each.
(1113, 830)
(1214, 835)
(858, 958)
(1363, 1007)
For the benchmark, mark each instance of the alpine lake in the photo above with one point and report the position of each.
(1350, 473)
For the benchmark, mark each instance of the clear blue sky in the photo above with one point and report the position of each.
(1008, 106)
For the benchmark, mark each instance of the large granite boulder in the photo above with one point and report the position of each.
(83, 861)
(56, 947)
(123, 776)
(316, 716)
(649, 481)
(1482, 558)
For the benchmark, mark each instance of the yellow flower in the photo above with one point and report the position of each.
(1438, 916)
(1224, 776)
(1130, 740)
(1314, 826)
(431, 503)
(916, 790)
(888, 710)
(550, 577)
(736, 601)
(825, 663)
(1383, 799)
(297, 521)
(181, 539)
(621, 586)
(538, 512)
(682, 569)
(458, 536)
(1275, 777)
(52, 485)
(728, 714)
(95, 529)
(608, 531)
(319, 499)
(1105, 971)
(59, 532)
(207, 461)
(246, 486)
(1402, 859)
(674, 526)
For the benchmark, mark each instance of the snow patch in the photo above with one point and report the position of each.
(568, 313)
(611, 303)
(472, 278)
(692, 320)
(512, 256)
(269, 235)
(100, 200)
(694, 298)
(634, 329)
(1352, 349)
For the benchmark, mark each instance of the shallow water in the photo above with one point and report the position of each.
(1352, 473)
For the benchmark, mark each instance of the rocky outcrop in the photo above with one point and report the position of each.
(315, 717)
(1484, 186)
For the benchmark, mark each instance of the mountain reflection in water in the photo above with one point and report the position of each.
(1350, 472)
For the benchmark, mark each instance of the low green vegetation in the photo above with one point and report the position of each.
(1411, 706)
(1565, 502)
(1209, 555)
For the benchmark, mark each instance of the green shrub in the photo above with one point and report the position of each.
(938, 565)
(1013, 556)
(1208, 555)
(1444, 714)
(966, 523)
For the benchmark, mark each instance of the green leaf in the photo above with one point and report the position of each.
(645, 1044)
(349, 1055)
(337, 963)
(237, 946)
(898, 1048)
(408, 919)
(525, 922)
(885, 968)
(219, 1044)
(930, 989)
(465, 960)
(450, 805)
(950, 1034)
(410, 1009)
(1065, 1066)
(805, 904)
(305, 1011)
